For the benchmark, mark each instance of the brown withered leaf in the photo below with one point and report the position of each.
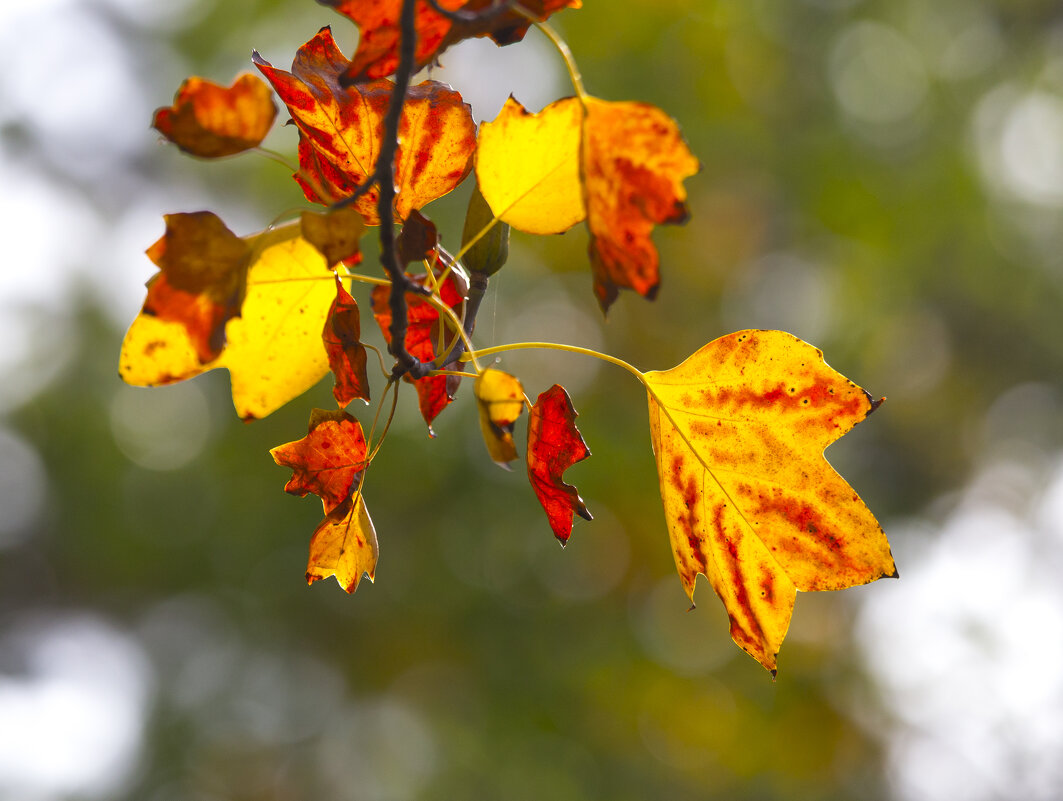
(422, 333)
(203, 278)
(619, 166)
(378, 25)
(554, 445)
(211, 121)
(342, 129)
(344, 545)
(500, 401)
(328, 461)
(346, 353)
(738, 431)
(335, 234)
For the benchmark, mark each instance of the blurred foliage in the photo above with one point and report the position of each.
(847, 195)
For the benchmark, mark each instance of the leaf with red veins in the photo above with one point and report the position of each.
(328, 461)
(554, 445)
(203, 278)
(342, 131)
(378, 23)
(422, 333)
(346, 353)
(344, 545)
(211, 121)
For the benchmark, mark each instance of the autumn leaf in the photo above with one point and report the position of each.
(342, 129)
(211, 121)
(619, 166)
(554, 445)
(738, 431)
(335, 234)
(328, 461)
(500, 400)
(202, 280)
(422, 334)
(273, 350)
(346, 353)
(378, 24)
(344, 545)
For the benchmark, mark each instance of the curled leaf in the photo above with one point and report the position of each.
(202, 280)
(272, 350)
(346, 353)
(335, 234)
(211, 121)
(489, 253)
(554, 445)
(328, 461)
(344, 545)
(738, 431)
(500, 400)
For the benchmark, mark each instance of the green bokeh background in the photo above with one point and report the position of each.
(844, 196)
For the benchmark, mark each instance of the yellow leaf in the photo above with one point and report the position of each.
(527, 166)
(738, 431)
(273, 349)
(344, 546)
(500, 398)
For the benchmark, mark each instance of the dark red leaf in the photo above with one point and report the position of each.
(554, 445)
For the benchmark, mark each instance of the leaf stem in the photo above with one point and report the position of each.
(566, 54)
(605, 357)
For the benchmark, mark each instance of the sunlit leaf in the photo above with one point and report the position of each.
(500, 400)
(378, 24)
(342, 130)
(328, 461)
(335, 234)
(211, 121)
(273, 350)
(344, 545)
(554, 445)
(619, 166)
(738, 431)
(346, 353)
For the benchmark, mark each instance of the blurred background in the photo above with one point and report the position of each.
(883, 179)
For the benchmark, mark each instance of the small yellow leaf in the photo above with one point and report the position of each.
(528, 166)
(344, 546)
(738, 431)
(273, 350)
(500, 398)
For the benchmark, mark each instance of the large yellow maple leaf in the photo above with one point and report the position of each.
(738, 431)
(272, 350)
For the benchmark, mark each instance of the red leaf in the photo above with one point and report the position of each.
(422, 333)
(328, 461)
(378, 24)
(554, 445)
(346, 353)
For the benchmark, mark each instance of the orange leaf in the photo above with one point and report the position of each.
(211, 121)
(344, 545)
(738, 431)
(202, 281)
(342, 130)
(378, 24)
(619, 166)
(346, 353)
(328, 461)
(554, 445)
(500, 400)
(335, 234)
(422, 333)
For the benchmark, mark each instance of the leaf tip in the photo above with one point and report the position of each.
(875, 403)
